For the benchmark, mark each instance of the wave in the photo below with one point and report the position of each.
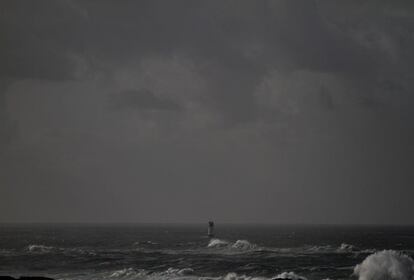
(386, 265)
(284, 275)
(188, 274)
(315, 249)
(127, 273)
(215, 246)
(244, 245)
(383, 265)
(289, 275)
(344, 248)
(217, 243)
(35, 248)
(238, 245)
(43, 249)
(170, 273)
(235, 276)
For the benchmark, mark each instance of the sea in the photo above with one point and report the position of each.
(184, 251)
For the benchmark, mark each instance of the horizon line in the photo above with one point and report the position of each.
(202, 223)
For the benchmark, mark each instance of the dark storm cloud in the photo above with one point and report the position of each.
(233, 44)
(158, 107)
(236, 42)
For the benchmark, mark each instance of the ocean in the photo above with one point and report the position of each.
(174, 251)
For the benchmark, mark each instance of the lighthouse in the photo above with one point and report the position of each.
(210, 230)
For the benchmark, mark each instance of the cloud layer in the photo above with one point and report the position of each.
(184, 110)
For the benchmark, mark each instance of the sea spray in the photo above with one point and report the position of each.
(386, 265)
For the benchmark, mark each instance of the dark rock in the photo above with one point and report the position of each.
(25, 278)
(6, 278)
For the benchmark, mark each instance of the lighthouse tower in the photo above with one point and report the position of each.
(210, 230)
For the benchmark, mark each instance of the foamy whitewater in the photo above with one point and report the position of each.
(184, 252)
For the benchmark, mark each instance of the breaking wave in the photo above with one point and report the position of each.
(40, 248)
(289, 275)
(383, 265)
(217, 243)
(235, 276)
(386, 265)
(343, 248)
(43, 249)
(245, 245)
(242, 245)
(347, 248)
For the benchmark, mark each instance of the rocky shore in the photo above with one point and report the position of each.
(5, 277)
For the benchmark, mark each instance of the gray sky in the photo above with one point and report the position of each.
(184, 111)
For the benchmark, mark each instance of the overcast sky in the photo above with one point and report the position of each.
(184, 111)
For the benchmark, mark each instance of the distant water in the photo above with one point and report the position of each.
(185, 252)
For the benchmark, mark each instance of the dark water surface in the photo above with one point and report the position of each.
(171, 251)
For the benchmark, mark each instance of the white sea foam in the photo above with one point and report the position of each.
(126, 273)
(235, 276)
(177, 271)
(243, 245)
(35, 248)
(386, 265)
(170, 273)
(343, 248)
(347, 248)
(239, 245)
(217, 243)
(289, 275)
